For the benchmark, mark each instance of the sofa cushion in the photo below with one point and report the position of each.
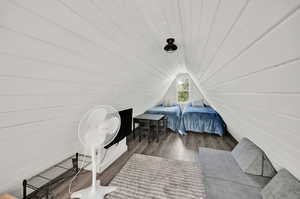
(283, 185)
(222, 189)
(268, 169)
(259, 180)
(252, 159)
(221, 165)
(249, 157)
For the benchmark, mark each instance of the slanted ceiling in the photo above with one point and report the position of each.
(60, 57)
(245, 58)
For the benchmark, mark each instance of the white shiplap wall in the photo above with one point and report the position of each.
(247, 65)
(60, 57)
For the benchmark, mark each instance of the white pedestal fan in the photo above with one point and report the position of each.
(97, 128)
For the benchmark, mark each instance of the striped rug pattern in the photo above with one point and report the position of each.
(148, 177)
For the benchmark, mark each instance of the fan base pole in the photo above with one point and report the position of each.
(97, 192)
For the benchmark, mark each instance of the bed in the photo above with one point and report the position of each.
(201, 119)
(172, 112)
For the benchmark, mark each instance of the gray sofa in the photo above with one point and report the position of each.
(240, 174)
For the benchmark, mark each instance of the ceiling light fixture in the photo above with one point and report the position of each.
(170, 47)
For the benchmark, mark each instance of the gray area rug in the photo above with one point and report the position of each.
(145, 177)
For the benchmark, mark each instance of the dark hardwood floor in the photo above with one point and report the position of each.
(170, 145)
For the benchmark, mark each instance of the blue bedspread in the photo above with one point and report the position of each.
(201, 119)
(173, 113)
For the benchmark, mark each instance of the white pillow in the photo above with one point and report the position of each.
(167, 103)
(197, 103)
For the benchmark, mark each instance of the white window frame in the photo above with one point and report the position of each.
(189, 89)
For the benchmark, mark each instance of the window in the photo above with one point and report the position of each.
(183, 90)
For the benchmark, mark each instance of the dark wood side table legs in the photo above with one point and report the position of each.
(150, 125)
(157, 131)
(149, 134)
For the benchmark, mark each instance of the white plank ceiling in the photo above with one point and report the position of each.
(60, 57)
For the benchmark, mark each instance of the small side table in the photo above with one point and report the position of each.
(148, 122)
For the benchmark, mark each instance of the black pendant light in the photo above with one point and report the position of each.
(170, 47)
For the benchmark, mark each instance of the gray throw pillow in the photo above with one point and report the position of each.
(252, 159)
(283, 186)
